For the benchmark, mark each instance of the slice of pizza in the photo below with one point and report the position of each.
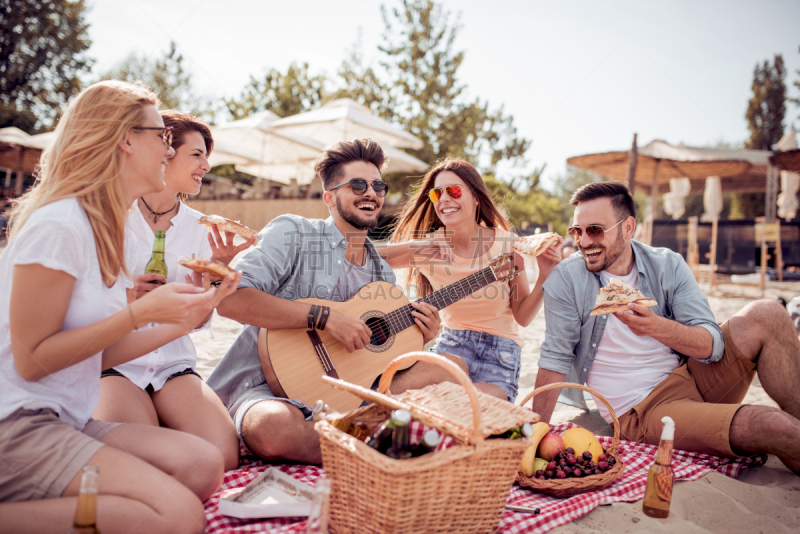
(217, 269)
(227, 225)
(616, 296)
(536, 244)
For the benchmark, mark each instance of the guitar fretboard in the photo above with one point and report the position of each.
(401, 318)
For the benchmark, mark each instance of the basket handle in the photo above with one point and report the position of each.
(559, 385)
(455, 370)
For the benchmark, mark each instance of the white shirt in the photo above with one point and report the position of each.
(627, 367)
(59, 236)
(184, 238)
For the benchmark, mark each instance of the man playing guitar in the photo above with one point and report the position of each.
(298, 258)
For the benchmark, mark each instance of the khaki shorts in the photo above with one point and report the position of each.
(701, 398)
(40, 454)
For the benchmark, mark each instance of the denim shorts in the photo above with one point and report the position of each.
(491, 359)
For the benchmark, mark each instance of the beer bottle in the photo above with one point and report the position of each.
(658, 492)
(381, 438)
(428, 444)
(401, 447)
(157, 264)
(518, 432)
(86, 512)
(320, 508)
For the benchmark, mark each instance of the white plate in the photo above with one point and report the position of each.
(272, 494)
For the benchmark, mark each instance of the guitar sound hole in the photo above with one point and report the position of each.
(380, 331)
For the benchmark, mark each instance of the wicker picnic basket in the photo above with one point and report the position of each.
(567, 487)
(460, 489)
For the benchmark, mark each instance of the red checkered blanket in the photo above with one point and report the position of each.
(554, 512)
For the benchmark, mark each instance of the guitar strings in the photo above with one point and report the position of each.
(401, 318)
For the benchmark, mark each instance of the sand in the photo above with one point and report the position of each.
(764, 499)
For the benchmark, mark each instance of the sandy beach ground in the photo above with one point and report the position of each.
(764, 499)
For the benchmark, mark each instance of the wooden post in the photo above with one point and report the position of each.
(654, 192)
(633, 157)
(20, 174)
(778, 250)
(712, 254)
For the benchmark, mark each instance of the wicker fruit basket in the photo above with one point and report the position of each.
(460, 489)
(568, 487)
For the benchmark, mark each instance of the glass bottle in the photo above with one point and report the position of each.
(428, 444)
(381, 438)
(518, 432)
(320, 508)
(86, 512)
(658, 493)
(401, 446)
(157, 264)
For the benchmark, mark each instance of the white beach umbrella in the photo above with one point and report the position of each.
(254, 139)
(674, 205)
(790, 182)
(712, 199)
(303, 172)
(344, 120)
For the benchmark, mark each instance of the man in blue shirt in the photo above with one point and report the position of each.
(671, 359)
(301, 258)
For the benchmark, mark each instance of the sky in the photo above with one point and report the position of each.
(578, 76)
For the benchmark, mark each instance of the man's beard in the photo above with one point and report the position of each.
(611, 255)
(352, 218)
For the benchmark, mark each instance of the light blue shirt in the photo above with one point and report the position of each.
(295, 258)
(572, 334)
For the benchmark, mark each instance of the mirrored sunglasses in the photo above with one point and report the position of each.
(359, 186)
(453, 191)
(593, 231)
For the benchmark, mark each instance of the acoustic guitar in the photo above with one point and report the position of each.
(294, 360)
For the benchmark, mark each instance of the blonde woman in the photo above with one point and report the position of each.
(162, 387)
(66, 317)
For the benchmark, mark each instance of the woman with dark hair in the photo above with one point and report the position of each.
(162, 387)
(454, 210)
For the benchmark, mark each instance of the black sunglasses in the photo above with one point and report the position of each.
(166, 132)
(360, 186)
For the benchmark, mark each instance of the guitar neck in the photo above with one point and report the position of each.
(401, 318)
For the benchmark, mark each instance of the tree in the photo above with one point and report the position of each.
(417, 88)
(767, 107)
(523, 201)
(169, 78)
(42, 55)
(283, 94)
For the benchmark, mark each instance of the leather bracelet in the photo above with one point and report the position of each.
(316, 316)
(326, 311)
(133, 321)
(312, 316)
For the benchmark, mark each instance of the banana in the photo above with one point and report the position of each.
(526, 465)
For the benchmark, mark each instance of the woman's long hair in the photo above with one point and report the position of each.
(419, 217)
(84, 163)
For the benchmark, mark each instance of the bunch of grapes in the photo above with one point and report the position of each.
(568, 465)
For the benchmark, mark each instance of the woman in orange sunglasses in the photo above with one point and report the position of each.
(461, 231)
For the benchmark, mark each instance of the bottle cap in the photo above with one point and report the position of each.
(431, 438)
(401, 417)
(669, 428)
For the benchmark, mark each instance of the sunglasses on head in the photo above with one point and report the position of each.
(166, 132)
(593, 231)
(453, 191)
(360, 186)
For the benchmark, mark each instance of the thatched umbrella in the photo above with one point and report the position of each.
(659, 161)
(786, 161)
